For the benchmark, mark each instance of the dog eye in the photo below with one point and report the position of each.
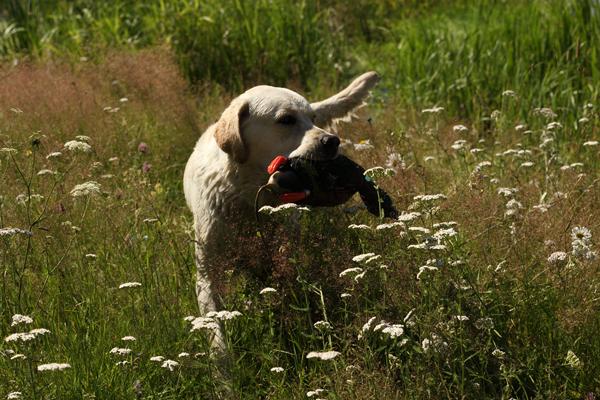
(287, 120)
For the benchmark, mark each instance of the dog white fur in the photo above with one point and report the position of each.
(229, 162)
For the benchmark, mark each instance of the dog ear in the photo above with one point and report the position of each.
(339, 106)
(228, 131)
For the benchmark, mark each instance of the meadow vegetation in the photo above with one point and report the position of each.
(486, 123)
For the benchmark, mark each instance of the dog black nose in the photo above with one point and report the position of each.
(330, 142)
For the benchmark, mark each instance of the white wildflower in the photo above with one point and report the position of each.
(91, 256)
(408, 217)
(14, 231)
(419, 229)
(76, 145)
(21, 319)
(583, 120)
(393, 330)
(554, 125)
(189, 318)
(372, 258)
(283, 208)
(268, 290)
(360, 276)
(378, 172)
(363, 145)
(395, 161)
(183, 354)
(128, 339)
(507, 192)
(459, 145)
(157, 358)
(433, 110)
(122, 363)
(345, 295)
(558, 258)
(129, 285)
(460, 129)
(224, 315)
(361, 226)
(445, 233)
(424, 269)
(170, 365)
(54, 154)
(19, 337)
(315, 392)
(461, 318)
(388, 226)
(53, 367)
(121, 351)
(83, 138)
(509, 93)
(8, 150)
(347, 271)
(39, 332)
(43, 172)
(86, 189)
(435, 343)
(323, 355)
(581, 233)
(545, 112)
(429, 197)
(14, 396)
(322, 326)
(591, 143)
(499, 354)
(277, 370)
(366, 327)
(520, 127)
(123, 100)
(362, 257)
(18, 356)
(204, 323)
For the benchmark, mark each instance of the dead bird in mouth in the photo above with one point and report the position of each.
(325, 183)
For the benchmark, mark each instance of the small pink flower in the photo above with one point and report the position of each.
(143, 147)
(146, 167)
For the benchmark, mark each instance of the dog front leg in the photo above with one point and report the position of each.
(204, 290)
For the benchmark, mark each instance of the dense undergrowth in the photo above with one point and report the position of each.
(487, 288)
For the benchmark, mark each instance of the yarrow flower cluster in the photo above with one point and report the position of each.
(21, 319)
(76, 145)
(211, 320)
(283, 208)
(558, 258)
(129, 285)
(581, 241)
(268, 290)
(14, 231)
(170, 365)
(86, 189)
(323, 355)
(53, 367)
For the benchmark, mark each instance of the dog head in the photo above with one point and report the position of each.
(267, 121)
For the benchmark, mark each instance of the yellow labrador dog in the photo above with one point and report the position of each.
(230, 159)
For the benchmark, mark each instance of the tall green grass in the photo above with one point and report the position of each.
(460, 54)
(465, 57)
